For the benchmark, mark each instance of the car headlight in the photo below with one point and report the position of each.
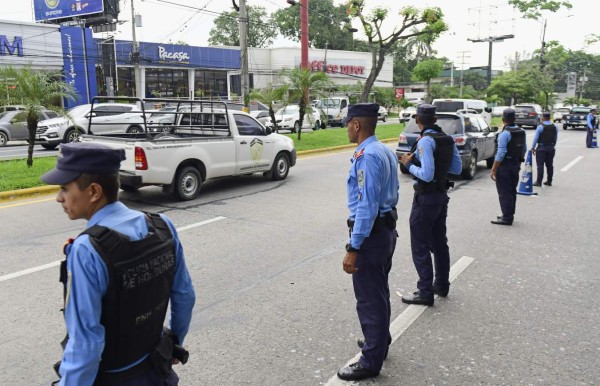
(55, 125)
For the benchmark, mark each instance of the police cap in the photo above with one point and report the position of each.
(425, 110)
(83, 157)
(368, 110)
(546, 114)
(509, 115)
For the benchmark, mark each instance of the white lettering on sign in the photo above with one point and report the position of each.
(72, 74)
(180, 56)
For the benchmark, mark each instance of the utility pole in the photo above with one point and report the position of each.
(543, 50)
(462, 70)
(583, 80)
(304, 33)
(135, 57)
(491, 40)
(244, 55)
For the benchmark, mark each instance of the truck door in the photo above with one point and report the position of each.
(254, 148)
(473, 130)
(490, 138)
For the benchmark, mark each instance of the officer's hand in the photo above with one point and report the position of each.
(533, 151)
(349, 262)
(406, 158)
(493, 175)
(175, 361)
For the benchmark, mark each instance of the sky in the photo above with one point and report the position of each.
(164, 22)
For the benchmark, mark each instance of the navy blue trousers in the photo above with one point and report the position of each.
(544, 156)
(428, 234)
(588, 138)
(372, 293)
(507, 179)
(149, 378)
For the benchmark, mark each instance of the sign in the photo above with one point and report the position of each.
(78, 70)
(166, 56)
(60, 9)
(320, 65)
(399, 93)
(8, 48)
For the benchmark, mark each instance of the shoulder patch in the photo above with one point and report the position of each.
(359, 154)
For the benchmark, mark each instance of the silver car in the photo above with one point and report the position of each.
(13, 124)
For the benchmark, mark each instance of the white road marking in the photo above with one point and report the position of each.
(57, 263)
(408, 317)
(571, 164)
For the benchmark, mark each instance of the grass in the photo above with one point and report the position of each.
(338, 136)
(15, 174)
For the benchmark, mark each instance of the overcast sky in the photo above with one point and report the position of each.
(467, 19)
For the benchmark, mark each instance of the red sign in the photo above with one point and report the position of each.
(319, 65)
(399, 93)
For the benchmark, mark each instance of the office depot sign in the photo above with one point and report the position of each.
(332, 68)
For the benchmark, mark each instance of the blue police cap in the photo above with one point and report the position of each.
(546, 114)
(425, 110)
(509, 114)
(83, 157)
(361, 110)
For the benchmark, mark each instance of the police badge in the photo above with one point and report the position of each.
(256, 150)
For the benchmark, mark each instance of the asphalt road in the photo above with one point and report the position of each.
(18, 149)
(275, 308)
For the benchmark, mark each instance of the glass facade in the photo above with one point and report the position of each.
(210, 84)
(126, 81)
(167, 83)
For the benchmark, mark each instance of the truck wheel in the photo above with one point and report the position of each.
(135, 130)
(384, 118)
(565, 126)
(188, 183)
(471, 169)
(317, 125)
(3, 139)
(490, 162)
(72, 135)
(49, 146)
(281, 167)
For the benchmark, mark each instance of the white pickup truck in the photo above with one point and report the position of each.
(205, 140)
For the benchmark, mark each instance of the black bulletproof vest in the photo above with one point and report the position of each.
(548, 135)
(516, 144)
(442, 156)
(139, 287)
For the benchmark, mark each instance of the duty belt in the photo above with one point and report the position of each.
(437, 186)
(387, 220)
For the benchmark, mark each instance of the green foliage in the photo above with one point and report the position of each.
(571, 101)
(532, 9)
(385, 96)
(226, 31)
(35, 90)
(522, 85)
(15, 174)
(427, 70)
(269, 96)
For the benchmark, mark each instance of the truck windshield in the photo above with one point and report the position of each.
(448, 106)
(331, 102)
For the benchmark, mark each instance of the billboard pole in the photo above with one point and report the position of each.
(135, 56)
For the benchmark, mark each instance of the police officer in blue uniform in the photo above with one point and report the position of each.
(432, 157)
(119, 276)
(544, 141)
(592, 123)
(512, 145)
(372, 187)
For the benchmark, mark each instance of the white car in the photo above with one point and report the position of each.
(407, 113)
(260, 115)
(107, 118)
(288, 118)
(382, 114)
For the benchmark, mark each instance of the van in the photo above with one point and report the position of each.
(464, 105)
(335, 107)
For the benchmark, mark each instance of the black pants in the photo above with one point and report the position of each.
(150, 378)
(588, 138)
(545, 156)
(372, 293)
(427, 234)
(507, 179)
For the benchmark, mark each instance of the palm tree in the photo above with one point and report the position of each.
(570, 101)
(302, 83)
(268, 96)
(35, 90)
(420, 45)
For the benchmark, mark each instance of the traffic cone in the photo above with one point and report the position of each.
(526, 184)
(594, 138)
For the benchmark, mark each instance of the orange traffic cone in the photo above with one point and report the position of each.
(526, 184)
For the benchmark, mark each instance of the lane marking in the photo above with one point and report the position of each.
(406, 318)
(571, 164)
(26, 203)
(57, 263)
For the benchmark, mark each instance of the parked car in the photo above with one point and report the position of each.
(260, 115)
(13, 124)
(528, 114)
(11, 108)
(453, 105)
(475, 140)
(498, 110)
(559, 113)
(407, 113)
(288, 118)
(106, 117)
(577, 117)
(382, 114)
(335, 108)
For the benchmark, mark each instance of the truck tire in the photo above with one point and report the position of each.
(565, 126)
(72, 135)
(280, 168)
(471, 169)
(187, 183)
(317, 126)
(3, 139)
(49, 146)
(384, 119)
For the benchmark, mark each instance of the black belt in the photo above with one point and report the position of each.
(388, 220)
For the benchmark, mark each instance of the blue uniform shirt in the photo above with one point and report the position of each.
(503, 139)
(590, 121)
(424, 153)
(539, 130)
(372, 186)
(87, 284)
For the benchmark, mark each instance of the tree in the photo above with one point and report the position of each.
(571, 101)
(269, 96)
(430, 18)
(226, 30)
(427, 70)
(420, 45)
(385, 96)
(532, 9)
(523, 85)
(35, 90)
(302, 82)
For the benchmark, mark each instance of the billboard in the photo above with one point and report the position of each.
(79, 63)
(60, 9)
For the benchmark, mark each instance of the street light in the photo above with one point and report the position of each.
(352, 30)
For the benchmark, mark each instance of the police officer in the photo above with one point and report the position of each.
(372, 187)
(432, 157)
(119, 276)
(505, 171)
(592, 124)
(544, 138)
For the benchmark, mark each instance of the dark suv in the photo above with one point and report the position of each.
(475, 140)
(528, 115)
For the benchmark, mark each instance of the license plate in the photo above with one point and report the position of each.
(521, 115)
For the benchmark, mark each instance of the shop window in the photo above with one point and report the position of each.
(126, 81)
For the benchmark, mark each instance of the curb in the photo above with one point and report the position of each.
(47, 189)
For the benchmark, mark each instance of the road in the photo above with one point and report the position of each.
(18, 149)
(275, 308)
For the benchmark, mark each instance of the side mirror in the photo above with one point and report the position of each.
(13, 121)
(488, 109)
(494, 129)
(90, 115)
(268, 130)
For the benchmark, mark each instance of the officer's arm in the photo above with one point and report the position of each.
(536, 136)
(456, 163)
(183, 296)
(502, 145)
(368, 204)
(87, 283)
(425, 172)
(589, 121)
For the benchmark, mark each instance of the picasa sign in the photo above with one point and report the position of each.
(8, 48)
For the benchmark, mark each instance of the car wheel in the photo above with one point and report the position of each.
(323, 125)
(72, 135)
(49, 146)
(317, 125)
(188, 183)
(403, 169)
(3, 139)
(129, 188)
(565, 126)
(281, 167)
(135, 130)
(490, 162)
(471, 169)
(384, 118)
(296, 127)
